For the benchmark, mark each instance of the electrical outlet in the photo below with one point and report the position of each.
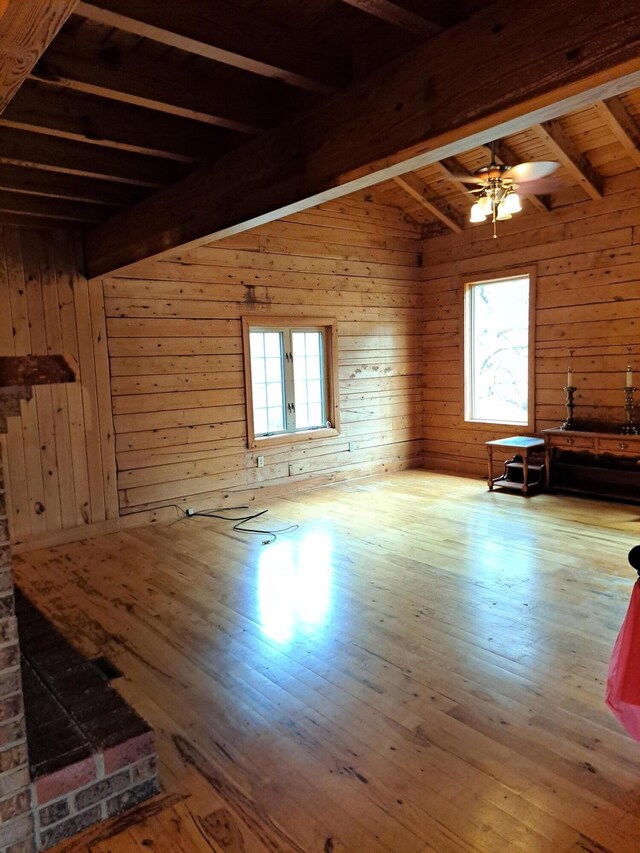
(260, 461)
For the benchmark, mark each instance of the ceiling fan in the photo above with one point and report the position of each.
(497, 184)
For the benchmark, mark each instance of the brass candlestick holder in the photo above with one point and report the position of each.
(569, 405)
(629, 427)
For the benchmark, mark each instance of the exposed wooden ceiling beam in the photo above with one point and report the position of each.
(437, 207)
(70, 187)
(623, 126)
(40, 222)
(26, 31)
(135, 79)
(399, 15)
(52, 208)
(573, 160)
(505, 155)
(385, 126)
(22, 148)
(98, 121)
(226, 34)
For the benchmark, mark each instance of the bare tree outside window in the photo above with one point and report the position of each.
(497, 351)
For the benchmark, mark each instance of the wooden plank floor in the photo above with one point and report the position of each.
(418, 668)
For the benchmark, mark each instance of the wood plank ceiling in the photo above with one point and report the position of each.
(131, 95)
(592, 146)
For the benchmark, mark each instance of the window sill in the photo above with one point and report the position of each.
(500, 425)
(294, 437)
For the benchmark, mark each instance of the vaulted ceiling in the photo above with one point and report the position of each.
(131, 95)
(105, 103)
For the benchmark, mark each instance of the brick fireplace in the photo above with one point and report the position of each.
(16, 819)
(72, 752)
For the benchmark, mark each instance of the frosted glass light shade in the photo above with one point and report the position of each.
(511, 202)
(476, 213)
(485, 204)
(502, 212)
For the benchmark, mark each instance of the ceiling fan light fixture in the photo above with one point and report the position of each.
(476, 213)
(496, 186)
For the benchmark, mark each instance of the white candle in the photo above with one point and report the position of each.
(629, 377)
(569, 378)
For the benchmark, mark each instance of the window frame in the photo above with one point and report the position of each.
(466, 285)
(329, 327)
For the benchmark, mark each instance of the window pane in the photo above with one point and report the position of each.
(272, 344)
(273, 368)
(260, 421)
(267, 382)
(312, 342)
(257, 369)
(256, 344)
(259, 395)
(298, 340)
(274, 395)
(498, 351)
(307, 370)
(315, 413)
(276, 423)
(314, 391)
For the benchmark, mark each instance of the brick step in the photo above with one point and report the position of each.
(91, 755)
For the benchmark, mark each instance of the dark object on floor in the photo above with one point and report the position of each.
(109, 670)
(634, 558)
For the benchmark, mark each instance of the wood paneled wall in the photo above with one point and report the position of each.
(587, 259)
(175, 346)
(59, 458)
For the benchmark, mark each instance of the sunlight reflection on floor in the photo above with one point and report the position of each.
(294, 587)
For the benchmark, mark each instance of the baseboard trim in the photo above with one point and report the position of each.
(61, 537)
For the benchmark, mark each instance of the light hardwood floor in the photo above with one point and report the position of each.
(419, 668)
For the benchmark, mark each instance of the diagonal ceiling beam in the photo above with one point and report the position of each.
(27, 29)
(21, 148)
(437, 207)
(623, 126)
(52, 208)
(38, 182)
(573, 160)
(426, 106)
(226, 34)
(130, 78)
(98, 121)
(505, 155)
(399, 15)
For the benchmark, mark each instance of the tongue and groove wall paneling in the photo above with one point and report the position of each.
(175, 347)
(587, 257)
(60, 460)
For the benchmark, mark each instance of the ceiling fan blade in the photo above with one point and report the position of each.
(467, 179)
(541, 187)
(524, 172)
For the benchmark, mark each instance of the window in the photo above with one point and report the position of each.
(498, 386)
(289, 378)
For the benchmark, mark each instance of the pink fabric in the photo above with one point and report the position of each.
(623, 681)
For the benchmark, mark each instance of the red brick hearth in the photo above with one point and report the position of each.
(90, 755)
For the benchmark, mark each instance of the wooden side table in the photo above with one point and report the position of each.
(522, 444)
